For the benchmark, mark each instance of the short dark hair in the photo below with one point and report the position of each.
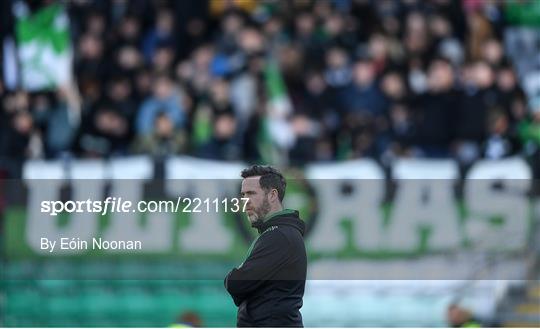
(271, 178)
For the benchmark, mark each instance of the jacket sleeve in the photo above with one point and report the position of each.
(269, 255)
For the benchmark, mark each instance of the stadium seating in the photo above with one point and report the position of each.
(108, 302)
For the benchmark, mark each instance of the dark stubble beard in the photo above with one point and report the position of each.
(261, 212)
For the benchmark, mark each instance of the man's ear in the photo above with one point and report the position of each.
(274, 195)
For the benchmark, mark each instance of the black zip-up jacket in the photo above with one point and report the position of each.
(268, 286)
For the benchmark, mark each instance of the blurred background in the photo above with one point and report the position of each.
(298, 84)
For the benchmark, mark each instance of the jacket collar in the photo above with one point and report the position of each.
(281, 213)
(283, 217)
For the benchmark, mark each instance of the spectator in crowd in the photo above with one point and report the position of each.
(492, 52)
(510, 95)
(128, 32)
(162, 60)
(363, 107)
(106, 133)
(231, 24)
(222, 145)
(363, 96)
(95, 24)
(195, 73)
(315, 121)
(188, 319)
(435, 111)
(396, 140)
(401, 133)
(120, 95)
(18, 135)
(308, 38)
(529, 133)
(166, 99)
(499, 142)
(460, 317)
(90, 62)
(127, 61)
(337, 70)
(337, 33)
(160, 35)
(164, 139)
(480, 97)
(60, 123)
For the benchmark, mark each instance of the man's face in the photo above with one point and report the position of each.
(258, 205)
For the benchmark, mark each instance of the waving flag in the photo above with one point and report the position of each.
(275, 135)
(44, 48)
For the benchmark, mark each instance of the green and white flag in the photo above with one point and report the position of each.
(279, 104)
(44, 48)
(275, 135)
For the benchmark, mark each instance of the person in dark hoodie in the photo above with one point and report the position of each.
(268, 286)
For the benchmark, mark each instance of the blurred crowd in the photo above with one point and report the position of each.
(363, 78)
